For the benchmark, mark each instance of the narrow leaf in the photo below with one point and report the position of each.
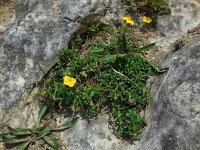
(121, 74)
(96, 50)
(51, 141)
(23, 146)
(42, 133)
(19, 131)
(157, 68)
(8, 140)
(42, 111)
(53, 148)
(64, 126)
(111, 58)
(44, 126)
(67, 125)
(145, 48)
(124, 43)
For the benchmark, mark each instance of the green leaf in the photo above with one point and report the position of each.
(64, 126)
(145, 48)
(19, 131)
(67, 125)
(124, 43)
(42, 111)
(23, 146)
(44, 126)
(121, 74)
(157, 68)
(11, 140)
(43, 133)
(52, 142)
(53, 148)
(96, 50)
(111, 58)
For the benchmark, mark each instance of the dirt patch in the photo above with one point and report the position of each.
(7, 11)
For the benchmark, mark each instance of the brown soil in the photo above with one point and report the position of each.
(7, 11)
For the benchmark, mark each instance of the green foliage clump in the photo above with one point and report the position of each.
(111, 77)
(150, 7)
(23, 137)
(154, 4)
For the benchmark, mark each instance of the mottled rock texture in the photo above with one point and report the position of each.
(175, 112)
(94, 135)
(174, 119)
(185, 15)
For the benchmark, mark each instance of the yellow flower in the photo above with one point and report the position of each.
(147, 19)
(128, 20)
(69, 81)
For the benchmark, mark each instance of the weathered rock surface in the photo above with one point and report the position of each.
(93, 136)
(185, 15)
(174, 119)
(175, 113)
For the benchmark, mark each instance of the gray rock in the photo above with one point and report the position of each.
(175, 112)
(93, 135)
(185, 15)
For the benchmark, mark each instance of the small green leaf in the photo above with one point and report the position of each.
(23, 146)
(11, 140)
(124, 43)
(96, 50)
(157, 68)
(19, 131)
(145, 48)
(42, 133)
(120, 73)
(51, 141)
(111, 58)
(53, 148)
(42, 111)
(44, 126)
(64, 126)
(67, 125)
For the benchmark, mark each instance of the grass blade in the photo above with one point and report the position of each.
(42, 111)
(67, 125)
(51, 141)
(23, 146)
(19, 131)
(157, 68)
(145, 48)
(42, 133)
(111, 58)
(11, 140)
(96, 50)
(124, 43)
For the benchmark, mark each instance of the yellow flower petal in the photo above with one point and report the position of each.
(147, 19)
(69, 81)
(128, 20)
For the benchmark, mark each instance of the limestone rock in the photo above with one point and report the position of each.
(185, 15)
(175, 112)
(93, 135)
